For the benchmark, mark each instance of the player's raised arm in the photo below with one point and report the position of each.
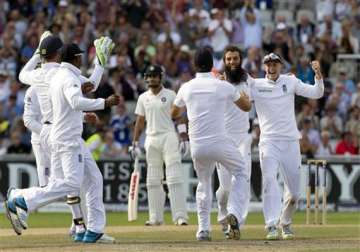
(26, 76)
(309, 91)
(103, 48)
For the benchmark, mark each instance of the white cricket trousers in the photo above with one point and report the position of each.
(160, 149)
(243, 143)
(205, 155)
(42, 166)
(68, 162)
(275, 154)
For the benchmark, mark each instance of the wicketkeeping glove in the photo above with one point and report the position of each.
(103, 47)
(134, 150)
(184, 148)
(44, 35)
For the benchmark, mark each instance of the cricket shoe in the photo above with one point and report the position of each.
(233, 227)
(92, 237)
(203, 235)
(272, 234)
(181, 222)
(11, 214)
(153, 223)
(287, 233)
(224, 227)
(79, 237)
(22, 211)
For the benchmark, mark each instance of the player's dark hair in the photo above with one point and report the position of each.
(50, 56)
(232, 48)
(203, 60)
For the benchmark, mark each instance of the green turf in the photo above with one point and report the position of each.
(342, 234)
(117, 219)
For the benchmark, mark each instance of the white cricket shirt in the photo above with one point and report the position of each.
(32, 114)
(237, 120)
(41, 77)
(68, 103)
(206, 99)
(156, 109)
(274, 103)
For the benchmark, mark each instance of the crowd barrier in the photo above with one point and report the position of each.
(343, 181)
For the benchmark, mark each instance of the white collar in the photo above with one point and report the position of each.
(49, 65)
(71, 67)
(271, 81)
(204, 75)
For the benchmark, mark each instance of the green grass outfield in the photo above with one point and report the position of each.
(48, 232)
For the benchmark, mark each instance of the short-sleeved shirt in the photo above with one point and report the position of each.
(156, 110)
(206, 99)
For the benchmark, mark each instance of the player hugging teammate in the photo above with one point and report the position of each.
(273, 97)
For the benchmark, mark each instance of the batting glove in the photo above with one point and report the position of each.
(103, 47)
(184, 148)
(134, 150)
(44, 35)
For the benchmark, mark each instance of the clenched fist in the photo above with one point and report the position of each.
(315, 65)
(112, 100)
(87, 87)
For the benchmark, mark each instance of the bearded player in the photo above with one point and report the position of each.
(279, 148)
(237, 128)
(162, 146)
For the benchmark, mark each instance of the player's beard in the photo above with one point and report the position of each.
(235, 75)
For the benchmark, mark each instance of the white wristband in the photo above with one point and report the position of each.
(181, 128)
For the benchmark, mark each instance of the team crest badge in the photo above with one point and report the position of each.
(284, 88)
(163, 99)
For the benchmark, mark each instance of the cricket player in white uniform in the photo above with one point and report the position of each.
(69, 155)
(32, 121)
(40, 79)
(237, 128)
(279, 149)
(205, 99)
(162, 146)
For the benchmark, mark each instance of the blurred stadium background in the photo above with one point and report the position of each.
(167, 32)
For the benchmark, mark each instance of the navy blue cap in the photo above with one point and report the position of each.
(70, 51)
(154, 69)
(50, 45)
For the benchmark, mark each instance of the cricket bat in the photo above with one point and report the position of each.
(133, 192)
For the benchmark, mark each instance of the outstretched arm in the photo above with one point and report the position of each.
(73, 94)
(308, 91)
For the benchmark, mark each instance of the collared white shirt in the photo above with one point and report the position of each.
(41, 77)
(68, 103)
(32, 115)
(206, 99)
(156, 109)
(237, 120)
(275, 107)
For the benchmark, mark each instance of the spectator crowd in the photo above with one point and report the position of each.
(167, 32)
